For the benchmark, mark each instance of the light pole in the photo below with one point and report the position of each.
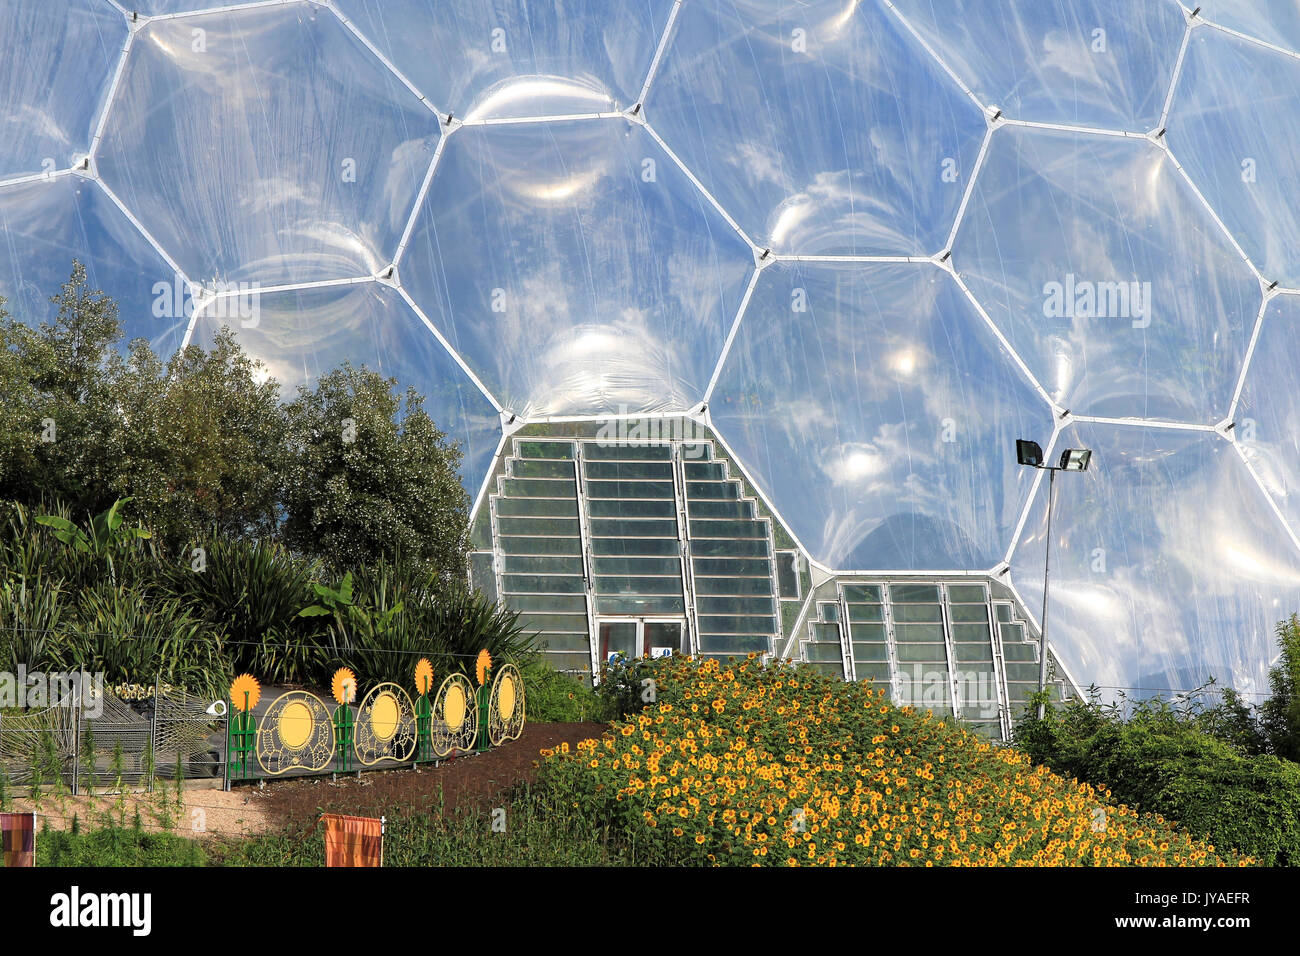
(1029, 453)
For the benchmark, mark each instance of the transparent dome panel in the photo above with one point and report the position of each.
(879, 413)
(300, 336)
(575, 268)
(46, 224)
(1103, 63)
(1169, 567)
(57, 59)
(1226, 131)
(823, 128)
(1267, 419)
(1125, 298)
(512, 58)
(266, 145)
(1273, 21)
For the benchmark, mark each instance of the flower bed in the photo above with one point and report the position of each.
(742, 763)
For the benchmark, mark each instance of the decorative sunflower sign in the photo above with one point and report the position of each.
(344, 688)
(245, 692)
(423, 710)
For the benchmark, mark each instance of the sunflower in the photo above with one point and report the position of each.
(344, 686)
(245, 684)
(482, 666)
(423, 675)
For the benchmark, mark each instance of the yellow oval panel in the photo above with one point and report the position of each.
(295, 725)
(453, 707)
(384, 716)
(506, 697)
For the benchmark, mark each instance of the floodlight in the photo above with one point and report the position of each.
(1029, 453)
(1076, 459)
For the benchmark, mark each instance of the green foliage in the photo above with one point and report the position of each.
(554, 697)
(1160, 759)
(251, 592)
(541, 829)
(116, 846)
(1279, 716)
(367, 477)
(132, 637)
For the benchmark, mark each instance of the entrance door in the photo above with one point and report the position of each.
(631, 637)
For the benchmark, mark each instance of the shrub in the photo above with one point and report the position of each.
(1161, 761)
(556, 697)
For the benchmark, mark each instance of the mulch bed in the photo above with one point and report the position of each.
(461, 783)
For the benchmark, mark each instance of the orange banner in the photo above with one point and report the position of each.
(353, 841)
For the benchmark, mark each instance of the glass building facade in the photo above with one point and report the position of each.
(737, 307)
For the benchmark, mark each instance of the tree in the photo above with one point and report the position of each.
(204, 441)
(1279, 716)
(368, 477)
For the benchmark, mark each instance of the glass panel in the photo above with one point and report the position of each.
(733, 585)
(538, 487)
(59, 60)
(1198, 570)
(821, 652)
(663, 636)
(967, 594)
(626, 585)
(840, 413)
(868, 593)
(543, 564)
(913, 593)
(540, 545)
(749, 567)
(918, 633)
(754, 547)
(616, 508)
(877, 653)
(630, 470)
(728, 529)
(738, 625)
(733, 605)
(1038, 59)
(968, 612)
(604, 565)
(712, 489)
(866, 612)
(633, 529)
(516, 58)
(566, 642)
(787, 575)
(482, 576)
(537, 507)
(629, 451)
(540, 584)
(544, 449)
(706, 470)
(1106, 319)
(721, 508)
(538, 526)
(629, 489)
(617, 638)
(643, 546)
(867, 632)
(45, 225)
(617, 292)
(574, 603)
(301, 219)
(824, 149)
(530, 468)
(657, 604)
(971, 632)
(917, 612)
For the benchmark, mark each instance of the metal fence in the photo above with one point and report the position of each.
(110, 743)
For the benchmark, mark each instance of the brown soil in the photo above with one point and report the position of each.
(465, 781)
